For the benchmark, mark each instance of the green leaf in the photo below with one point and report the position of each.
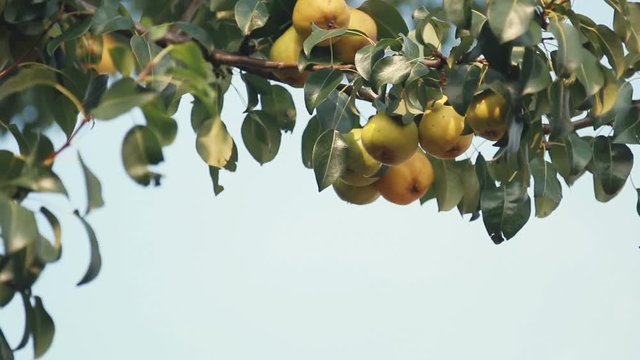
(158, 120)
(110, 17)
(628, 25)
(390, 70)
(214, 173)
(329, 155)
(510, 19)
(251, 14)
(570, 50)
(95, 90)
(388, 20)
(470, 202)
(560, 119)
(462, 83)
(571, 157)
(214, 143)
(196, 32)
(5, 348)
(505, 210)
(95, 262)
(261, 136)
(310, 135)
(43, 329)
(72, 32)
(611, 163)
(46, 252)
(319, 85)
(93, 186)
(279, 104)
(121, 97)
(141, 50)
(140, 148)
(611, 45)
(547, 191)
(638, 205)
(590, 74)
(626, 128)
(335, 113)
(458, 12)
(319, 35)
(535, 72)
(17, 225)
(447, 183)
(26, 78)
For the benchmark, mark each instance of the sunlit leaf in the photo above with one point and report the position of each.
(319, 85)
(390, 70)
(251, 14)
(510, 19)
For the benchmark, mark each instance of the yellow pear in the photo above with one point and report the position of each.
(94, 53)
(440, 131)
(360, 165)
(487, 115)
(287, 49)
(359, 195)
(326, 14)
(348, 45)
(405, 183)
(388, 141)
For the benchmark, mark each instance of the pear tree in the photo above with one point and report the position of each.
(484, 107)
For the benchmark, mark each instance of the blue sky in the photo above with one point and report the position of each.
(272, 269)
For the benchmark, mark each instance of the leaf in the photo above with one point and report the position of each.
(560, 119)
(319, 35)
(612, 163)
(458, 12)
(196, 32)
(571, 157)
(319, 85)
(448, 185)
(95, 90)
(121, 97)
(43, 329)
(390, 70)
(335, 113)
(261, 136)
(95, 262)
(18, 225)
(388, 20)
(637, 206)
(5, 348)
(626, 128)
(610, 43)
(109, 18)
(93, 186)
(505, 210)
(140, 148)
(470, 202)
(279, 104)
(365, 58)
(251, 14)
(570, 51)
(590, 74)
(462, 83)
(629, 24)
(535, 72)
(510, 19)
(214, 143)
(26, 78)
(72, 32)
(310, 135)
(329, 155)
(141, 50)
(50, 253)
(547, 191)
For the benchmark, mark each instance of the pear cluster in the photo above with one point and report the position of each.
(326, 14)
(388, 157)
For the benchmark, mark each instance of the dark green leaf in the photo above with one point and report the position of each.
(310, 135)
(319, 85)
(95, 90)
(18, 225)
(590, 74)
(41, 178)
(462, 83)
(610, 43)
(335, 113)
(560, 119)
(109, 18)
(570, 50)
(470, 202)
(571, 157)
(28, 315)
(261, 136)
(141, 50)
(547, 191)
(627, 25)
(43, 329)
(535, 72)
(448, 185)
(279, 104)
(94, 188)
(251, 14)
(5, 348)
(458, 12)
(46, 252)
(72, 32)
(390, 70)
(329, 154)
(627, 127)
(26, 78)
(214, 173)
(389, 21)
(505, 210)
(612, 163)
(197, 33)
(158, 120)
(95, 262)
(638, 205)
(366, 57)
(510, 19)
(140, 148)
(120, 98)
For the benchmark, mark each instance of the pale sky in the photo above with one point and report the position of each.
(272, 269)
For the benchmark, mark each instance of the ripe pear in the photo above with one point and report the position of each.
(359, 195)
(360, 165)
(348, 45)
(287, 49)
(407, 182)
(487, 115)
(388, 141)
(94, 52)
(326, 14)
(440, 131)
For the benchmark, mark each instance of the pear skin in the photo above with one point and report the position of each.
(440, 131)
(388, 141)
(407, 182)
(359, 195)
(326, 14)
(487, 115)
(360, 165)
(94, 51)
(348, 45)
(287, 49)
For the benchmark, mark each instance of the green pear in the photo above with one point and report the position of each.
(359, 195)
(360, 165)
(389, 141)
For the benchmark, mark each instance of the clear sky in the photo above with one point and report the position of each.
(272, 269)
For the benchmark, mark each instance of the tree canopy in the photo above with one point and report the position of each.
(542, 95)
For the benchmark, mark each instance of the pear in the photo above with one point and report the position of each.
(487, 115)
(388, 141)
(359, 195)
(94, 52)
(407, 182)
(348, 45)
(360, 165)
(440, 131)
(325, 14)
(287, 49)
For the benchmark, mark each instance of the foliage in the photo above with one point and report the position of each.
(559, 71)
